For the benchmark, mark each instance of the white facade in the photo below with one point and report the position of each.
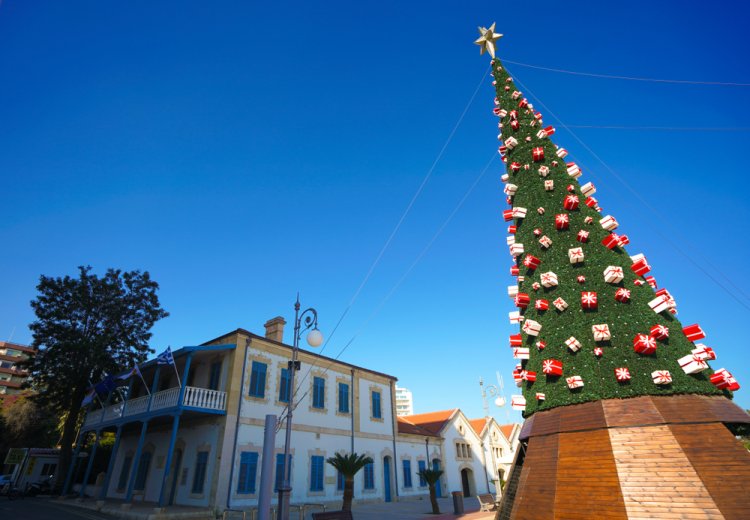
(404, 401)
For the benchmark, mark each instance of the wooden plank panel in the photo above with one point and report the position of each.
(585, 416)
(535, 497)
(546, 423)
(587, 482)
(656, 477)
(722, 463)
(630, 412)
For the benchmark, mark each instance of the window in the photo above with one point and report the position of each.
(370, 476)
(316, 473)
(248, 470)
(319, 392)
(463, 450)
(199, 477)
(376, 412)
(142, 475)
(258, 380)
(48, 469)
(422, 466)
(124, 471)
(343, 398)
(279, 480)
(284, 382)
(407, 473)
(214, 375)
(340, 481)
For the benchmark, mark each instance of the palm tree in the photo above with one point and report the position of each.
(431, 476)
(349, 465)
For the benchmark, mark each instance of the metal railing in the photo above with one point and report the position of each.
(204, 398)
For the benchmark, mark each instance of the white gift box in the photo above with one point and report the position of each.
(504, 177)
(515, 317)
(512, 290)
(545, 241)
(518, 402)
(573, 170)
(549, 185)
(519, 212)
(703, 352)
(573, 344)
(516, 249)
(661, 304)
(549, 279)
(601, 332)
(574, 382)
(510, 240)
(531, 327)
(544, 171)
(510, 189)
(521, 352)
(609, 223)
(560, 304)
(661, 377)
(562, 153)
(692, 364)
(540, 396)
(511, 143)
(588, 189)
(639, 256)
(575, 255)
(613, 274)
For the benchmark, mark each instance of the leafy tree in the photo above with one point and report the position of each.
(28, 424)
(432, 476)
(84, 327)
(349, 465)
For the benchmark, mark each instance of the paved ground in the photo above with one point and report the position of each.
(44, 509)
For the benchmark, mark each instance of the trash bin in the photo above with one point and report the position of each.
(458, 502)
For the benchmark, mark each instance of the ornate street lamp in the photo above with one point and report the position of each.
(306, 320)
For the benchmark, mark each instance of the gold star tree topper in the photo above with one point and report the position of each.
(487, 39)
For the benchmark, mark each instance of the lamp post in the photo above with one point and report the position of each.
(492, 391)
(305, 320)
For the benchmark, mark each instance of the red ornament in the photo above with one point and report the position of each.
(589, 300)
(537, 154)
(521, 300)
(541, 305)
(644, 344)
(659, 332)
(622, 295)
(571, 202)
(562, 221)
(582, 236)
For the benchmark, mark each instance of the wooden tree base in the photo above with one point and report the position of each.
(645, 457)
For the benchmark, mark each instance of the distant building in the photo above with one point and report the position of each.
(404, 402)
(11, 376)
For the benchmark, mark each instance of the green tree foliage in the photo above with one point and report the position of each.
(27, 424)
(84, 327)
(625, 320)
(349, 465)
(432, 476)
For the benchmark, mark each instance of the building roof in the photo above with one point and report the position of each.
(479, 424)
(405, 427)
(507, 430)
(16, 346)
(432, 422)
(256, 336)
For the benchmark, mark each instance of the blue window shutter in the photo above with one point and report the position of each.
(319, 398)
(199, 476)
(407, 473)
(124, 472)
(316, 473)
(340, 480)
(343, 398)
(248, 472)
(258, 379)
(422, 466)
(376, 412)
(284, 383)
(370, 476)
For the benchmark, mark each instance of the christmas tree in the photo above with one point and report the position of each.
(624, 416)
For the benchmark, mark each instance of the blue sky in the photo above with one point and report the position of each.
(242, 152)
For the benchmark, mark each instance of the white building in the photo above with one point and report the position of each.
(404, 401)
(201, 444)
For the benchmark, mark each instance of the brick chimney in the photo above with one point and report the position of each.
(275, 329)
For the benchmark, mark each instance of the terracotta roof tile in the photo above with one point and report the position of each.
(478, 425)
(507, 430)
(432, 422)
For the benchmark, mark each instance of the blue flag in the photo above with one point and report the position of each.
(165, 358)
(105, 385)
(135, 371)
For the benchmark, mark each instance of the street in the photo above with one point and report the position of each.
(45, 509)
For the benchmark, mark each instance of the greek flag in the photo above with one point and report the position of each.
(165, 358)
(88, 398)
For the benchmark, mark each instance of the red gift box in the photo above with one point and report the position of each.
(516, 340)
(513, 114)
(571, 202)
(622, 295)
(508, 215)
(537, 154)
(515, 167)
(591, 202)
(571, 188)
(598, 351)
(644, 344)
(537, 232)
(589, 300)
(659, 332)
(622, 374)
(512, 229)
(694, 332)
(523, 103)
(522, 300)
(541, 345)
(624, 240)
(514, 270)
(651, 281)
(541, 305)
(540, 396)
(640, 267)
(724, 380)
(581, 279)
(562, 221)
(552, 367)
(528, 375)
(582, 236)
(611, 241)
(515, 125)
(531, 261)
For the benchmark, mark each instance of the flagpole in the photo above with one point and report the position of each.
(179, 383)
(138, 370)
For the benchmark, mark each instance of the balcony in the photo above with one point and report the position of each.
(194, 399)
